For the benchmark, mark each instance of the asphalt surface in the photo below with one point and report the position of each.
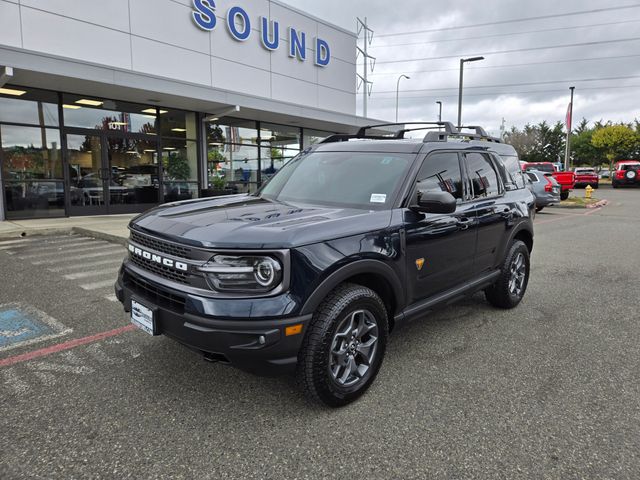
(549, 390)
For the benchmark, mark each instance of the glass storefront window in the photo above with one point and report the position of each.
(311, 137)
(178, 124)
(32, 107)
(232, 131)
(96, 114)
(32, 171)
(279, 136)
(180, 169)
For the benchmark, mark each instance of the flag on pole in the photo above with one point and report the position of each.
(567, 119)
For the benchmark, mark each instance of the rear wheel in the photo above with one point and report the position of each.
(512, 283)
(564, 194)
(539, 209)
(344, 346)
(595, 185)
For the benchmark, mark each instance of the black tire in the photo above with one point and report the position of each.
(539, 209)
(501, 294)
(595, 185)
(614, 184)
(564, 194)
(314, 372)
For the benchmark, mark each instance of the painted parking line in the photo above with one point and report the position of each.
(22, 325)
(86, 248)
(18, 249)
(61, 347)
(11, 244)
(116, 260)
(97, 285)
(116, 250)
(92, 273)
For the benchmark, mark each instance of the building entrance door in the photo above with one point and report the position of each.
(110, 173)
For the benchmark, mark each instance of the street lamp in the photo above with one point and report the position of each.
(439, 110)
(397, 92)
(462, 62)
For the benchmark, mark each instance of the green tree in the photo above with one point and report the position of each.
(177, 167)
(616, 141)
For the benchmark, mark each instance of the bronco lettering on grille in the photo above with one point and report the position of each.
(152, 257)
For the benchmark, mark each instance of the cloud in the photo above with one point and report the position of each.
(538, 80)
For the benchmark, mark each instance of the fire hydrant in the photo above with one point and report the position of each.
(587, 191)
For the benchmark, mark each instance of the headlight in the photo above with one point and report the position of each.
(227, 273)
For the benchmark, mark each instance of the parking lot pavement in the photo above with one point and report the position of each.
(549, 390)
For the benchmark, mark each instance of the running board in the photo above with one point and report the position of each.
(448, 297)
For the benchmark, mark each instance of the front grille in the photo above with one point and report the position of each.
(161, 246)
(160, 270)
(155, 294)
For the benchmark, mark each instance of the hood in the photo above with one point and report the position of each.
(245, 222)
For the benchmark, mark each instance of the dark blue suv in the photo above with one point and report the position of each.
(349, 240)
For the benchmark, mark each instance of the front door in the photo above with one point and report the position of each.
(440, 247)
(111, 173)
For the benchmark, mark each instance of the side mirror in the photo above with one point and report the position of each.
(435, 202)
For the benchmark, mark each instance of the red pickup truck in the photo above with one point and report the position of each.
(567, 180)
(586, 176)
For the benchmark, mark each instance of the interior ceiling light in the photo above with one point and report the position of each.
(169, 148)
(179, 130)
(148, 150)
(152, 111)
(91, 103)
(71, 107)
(12, 91)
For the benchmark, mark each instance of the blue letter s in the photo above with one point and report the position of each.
(204, 16)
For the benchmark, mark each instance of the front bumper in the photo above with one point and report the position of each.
(254, 345)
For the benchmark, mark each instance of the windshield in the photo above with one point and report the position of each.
(355, 179)
(543, 167)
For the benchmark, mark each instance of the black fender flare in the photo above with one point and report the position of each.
(522, 227)
(357, 267)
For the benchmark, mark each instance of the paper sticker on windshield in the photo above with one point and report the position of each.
(378, 198)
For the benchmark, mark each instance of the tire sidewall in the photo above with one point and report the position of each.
(326, 387)
(516, 248)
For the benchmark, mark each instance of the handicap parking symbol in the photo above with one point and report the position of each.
(22, 325)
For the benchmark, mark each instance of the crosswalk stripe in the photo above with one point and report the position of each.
(81, 266)
(118, 250)
(112, 297)
(93, 273)
(37, 239)
(88, 248)
(25, 243)
(97, 285)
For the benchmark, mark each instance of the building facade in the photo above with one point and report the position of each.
(114, 107)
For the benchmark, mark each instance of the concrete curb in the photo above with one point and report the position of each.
(40, 232)
(100, 235)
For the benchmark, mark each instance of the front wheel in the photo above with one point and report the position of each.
(539, 209)
(512, 283)
(344, 346)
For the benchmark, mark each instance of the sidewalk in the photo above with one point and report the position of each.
(108, 227)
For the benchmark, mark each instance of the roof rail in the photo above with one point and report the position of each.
(398, 134)
(478, 134)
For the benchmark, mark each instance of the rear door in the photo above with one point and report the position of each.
(440, 247)
(493, 212)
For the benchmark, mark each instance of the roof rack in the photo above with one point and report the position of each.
(397, 135)
(479, 134)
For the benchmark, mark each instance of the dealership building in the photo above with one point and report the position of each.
(116, 106)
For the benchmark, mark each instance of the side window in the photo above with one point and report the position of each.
(440, 172)
(484, 179)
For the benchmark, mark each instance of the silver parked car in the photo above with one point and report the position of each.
(544, 187)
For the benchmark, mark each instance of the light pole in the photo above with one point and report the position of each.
(439, 110)
(569, 120)
(398, 92)
(462, 62)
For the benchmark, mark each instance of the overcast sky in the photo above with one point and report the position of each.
(487, 99)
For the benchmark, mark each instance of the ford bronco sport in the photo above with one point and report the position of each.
(350, 239)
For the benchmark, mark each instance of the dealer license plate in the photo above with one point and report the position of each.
(142, 317)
